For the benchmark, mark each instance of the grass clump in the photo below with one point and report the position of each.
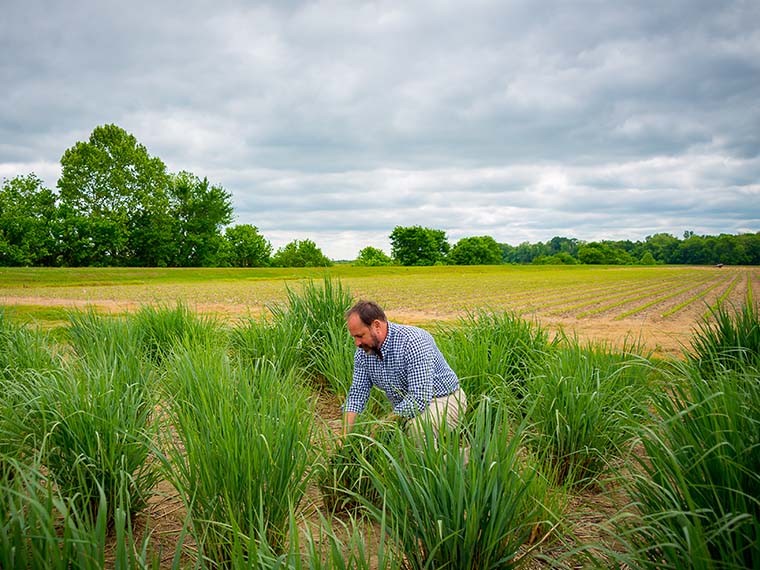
(243, 455)
(161, 328)
(41, 529)
(447, 511)
(345, 483)
(94, 416)
(275, 342)
(22, 348)
(488, 349)
(23, 352)
(584, 401)
(729, 339)
(696, 489)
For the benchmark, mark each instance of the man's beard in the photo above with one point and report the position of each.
(373, 347)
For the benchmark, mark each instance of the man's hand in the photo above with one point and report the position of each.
(349, 419)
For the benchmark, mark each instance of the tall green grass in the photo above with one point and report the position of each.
(307, 335)
(488, 349)
(95, 416)
(327, 348)
(331, 544)
(585, 401)
(42, 529)
(696, 488)
(276, 342)
(23, 352)
(242, 457)
(162, 328)
(345, 482)
(447, 511)
(22, 348)
(728, 339)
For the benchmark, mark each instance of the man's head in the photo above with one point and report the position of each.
(368, 326)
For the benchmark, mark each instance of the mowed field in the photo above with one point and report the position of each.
(658, 306)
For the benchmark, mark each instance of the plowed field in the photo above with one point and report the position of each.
(659, 306)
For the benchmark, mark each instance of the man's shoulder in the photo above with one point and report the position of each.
(405, 333)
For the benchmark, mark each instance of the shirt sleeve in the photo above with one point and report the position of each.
(418, 359)
(358, 394)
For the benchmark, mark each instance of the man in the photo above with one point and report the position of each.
(406, 364)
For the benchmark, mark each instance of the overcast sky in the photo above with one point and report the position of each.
(337, 121)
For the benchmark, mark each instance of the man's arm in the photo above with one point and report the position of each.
(358, 394)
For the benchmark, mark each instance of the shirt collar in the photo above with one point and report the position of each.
(388, 342)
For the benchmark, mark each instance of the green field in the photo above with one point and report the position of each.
(659, 304)
(165, 436)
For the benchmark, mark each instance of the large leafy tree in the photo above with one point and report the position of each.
(479, 250)
(247, 247)
(113, 201)
(300, 253)
(415, 245)
(27, 222)
(199, 211)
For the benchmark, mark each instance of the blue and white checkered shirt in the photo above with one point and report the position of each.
(411, 372)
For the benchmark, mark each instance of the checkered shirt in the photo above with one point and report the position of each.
(411, 372)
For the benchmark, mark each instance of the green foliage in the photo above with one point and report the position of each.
(95, 416)
(415, 245)
(300, 253)
(584, 401)
(729, 339)
(696, 488)
(647, 259)
(113, 201)
(22, 348)
(41, 529)
(326, 347)
(199, 211)
(27, 219)
(372, 257)
(24, 354)
(345, 483)
(242, 462)
(489, 349)
(161, 329)
(602, 253)
(247, 247)
(445, 511)
(475, 251)
(277, 342)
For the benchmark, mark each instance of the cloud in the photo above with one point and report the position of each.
(336, 121)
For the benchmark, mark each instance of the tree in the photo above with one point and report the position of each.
(372, 257)
(416, 245)
(300, 254)
(481, 250)
(113, 201)
(662, 246)
(247, 247)
(199, 211)
(647, 259)
(563, 245)
(596, 253)
(27, 219)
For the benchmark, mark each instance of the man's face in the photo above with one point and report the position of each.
(365, 337)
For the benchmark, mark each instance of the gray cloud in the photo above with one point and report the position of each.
(336, 121)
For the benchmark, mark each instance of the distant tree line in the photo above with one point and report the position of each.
(661, 248)
(118, 206)
(417, 245)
